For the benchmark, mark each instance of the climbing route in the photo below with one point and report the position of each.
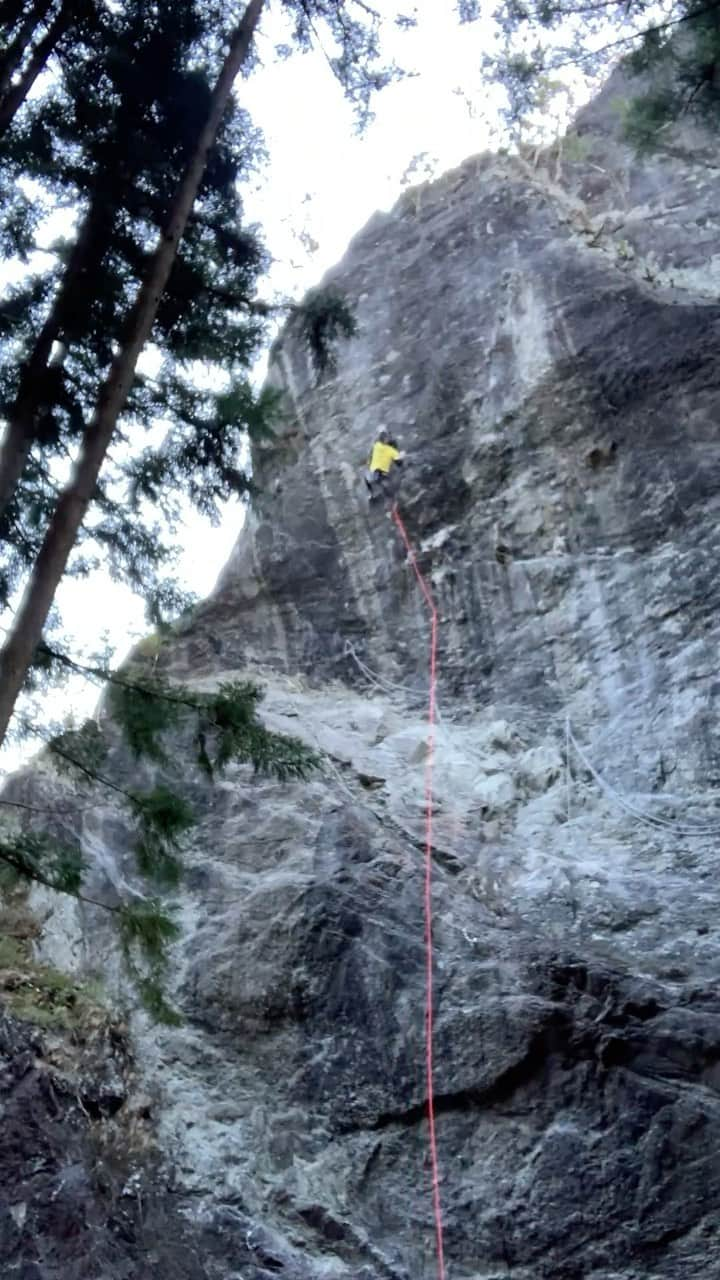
(435, 1172)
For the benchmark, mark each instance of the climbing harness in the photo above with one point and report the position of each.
(432, 610)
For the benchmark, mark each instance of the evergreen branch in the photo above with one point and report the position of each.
(146, 924)
(162, 817)
(87, 772)
(105, 676)
(12, 854)
(143, 925)
(584, 56)
(34, 808)
(230, 712)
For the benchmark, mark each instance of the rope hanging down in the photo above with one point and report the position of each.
(428, 892)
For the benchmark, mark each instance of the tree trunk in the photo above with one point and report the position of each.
(12, 101)
(20, 430)
(15, 51)
(26, 633)
(85, 259)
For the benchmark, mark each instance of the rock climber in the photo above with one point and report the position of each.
(384, 460)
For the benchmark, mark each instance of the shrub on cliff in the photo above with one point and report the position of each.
(179, 731)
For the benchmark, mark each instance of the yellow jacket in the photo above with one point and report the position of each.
(383, 456)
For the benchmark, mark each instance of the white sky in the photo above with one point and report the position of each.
(321, 185)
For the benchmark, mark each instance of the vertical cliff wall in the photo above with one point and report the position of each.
(542, 334)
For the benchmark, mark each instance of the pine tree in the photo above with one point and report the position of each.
(358, 50)
(132, 137)
(17, 653)
(114, 141)
(121, 178)
(31, 37)
(679, 48)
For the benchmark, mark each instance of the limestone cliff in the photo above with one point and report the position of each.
(542, 333)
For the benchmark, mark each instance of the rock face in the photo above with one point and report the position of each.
(79, 1196)
(543, 337)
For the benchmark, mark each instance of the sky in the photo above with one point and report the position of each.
(321, 184)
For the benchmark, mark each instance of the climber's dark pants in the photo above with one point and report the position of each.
(382, 483)
(377, 483)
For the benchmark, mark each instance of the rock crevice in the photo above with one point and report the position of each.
(559, 410)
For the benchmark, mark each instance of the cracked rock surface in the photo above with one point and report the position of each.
(81, 1193)
(560, 414)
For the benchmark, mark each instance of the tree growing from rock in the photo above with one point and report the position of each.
(676, 49)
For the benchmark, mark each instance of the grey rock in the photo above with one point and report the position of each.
(73, 1203)
(558, 400)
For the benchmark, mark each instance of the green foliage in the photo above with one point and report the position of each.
(684, 68)
(353, 29)
(199, 456)
(225, 722)
(164, 812)
(43, 995)
(324, 317)
(163, 817)
(221, 726)
(651, 49)
(574, 148)
(146, 932)
(166, 603)
(40, 857)
(13, 952)
(147, 927)
(110, 137)
(229, 721)
(258, 412)
(155, 1002)
(145, 708)
(80, 751)
(676, 50)
(150, 646)
(646, 116)
(10, 878)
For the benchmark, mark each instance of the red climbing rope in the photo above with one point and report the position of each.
(428, 894)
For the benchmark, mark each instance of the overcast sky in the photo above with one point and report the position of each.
(320, 186)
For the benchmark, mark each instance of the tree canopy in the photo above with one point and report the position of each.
(673, 48)
(132, 138)
(132, 133)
